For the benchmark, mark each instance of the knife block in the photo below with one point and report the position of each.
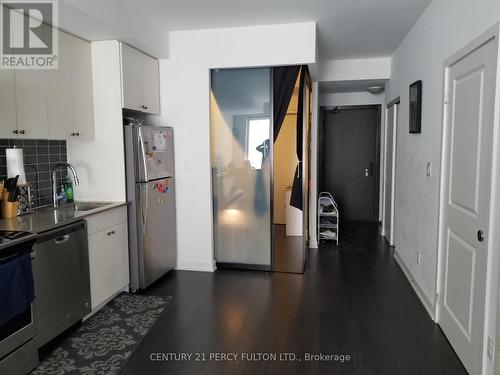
(9, 209)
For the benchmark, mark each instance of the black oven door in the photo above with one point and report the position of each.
(16, 332)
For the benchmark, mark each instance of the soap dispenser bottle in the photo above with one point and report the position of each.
(68, 189)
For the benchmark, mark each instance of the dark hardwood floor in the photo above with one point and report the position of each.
(288, 251)
(352, 300)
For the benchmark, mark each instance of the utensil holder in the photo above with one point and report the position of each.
(9, 209)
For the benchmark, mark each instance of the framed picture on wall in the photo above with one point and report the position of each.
(416, 107)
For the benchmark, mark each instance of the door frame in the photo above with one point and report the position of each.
(393, 103)
(493, 251)
(306, 166)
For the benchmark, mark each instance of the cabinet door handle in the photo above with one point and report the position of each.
(22, 131)
(111, 233)
(16, 132)
(144, 106)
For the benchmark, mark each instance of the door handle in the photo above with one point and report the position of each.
(62, 239)
(142, 155)
(144, 209)
(369, 171)
(480, 235)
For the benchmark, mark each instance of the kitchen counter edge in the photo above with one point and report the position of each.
(49, 221)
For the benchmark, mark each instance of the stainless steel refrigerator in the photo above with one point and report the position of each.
(149, 157)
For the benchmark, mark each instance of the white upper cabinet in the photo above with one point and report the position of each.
(58, 84)
(151, 82)
(70, 107)
(82, 97)
(31, 104)
(50, 104)
(132, 84)
(8, 124)
(140, 81)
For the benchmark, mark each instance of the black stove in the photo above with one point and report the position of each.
(9, 235)
(17, 332)
(14, 240)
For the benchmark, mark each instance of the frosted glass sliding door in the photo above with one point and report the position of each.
(241, 160)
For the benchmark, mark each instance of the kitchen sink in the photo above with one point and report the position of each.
(87, 206)
(80, 206)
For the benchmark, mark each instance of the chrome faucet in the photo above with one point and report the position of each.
(54, 180)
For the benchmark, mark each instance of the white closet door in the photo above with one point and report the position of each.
(466, 208)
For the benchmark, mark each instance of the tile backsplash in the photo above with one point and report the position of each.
(40, 156)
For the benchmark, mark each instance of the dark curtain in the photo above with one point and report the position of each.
(296, 199)
(284, 78)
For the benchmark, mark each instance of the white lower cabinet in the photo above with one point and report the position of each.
(108, 254)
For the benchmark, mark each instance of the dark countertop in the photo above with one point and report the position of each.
(47, 218)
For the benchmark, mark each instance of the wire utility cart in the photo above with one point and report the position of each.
(328, 218)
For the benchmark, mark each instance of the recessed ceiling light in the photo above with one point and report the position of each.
(375, 89)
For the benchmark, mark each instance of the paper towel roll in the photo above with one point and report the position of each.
(15, 164)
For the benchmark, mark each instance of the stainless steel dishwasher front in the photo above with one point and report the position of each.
(62, 280)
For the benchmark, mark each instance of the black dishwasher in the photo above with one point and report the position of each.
(62, 280)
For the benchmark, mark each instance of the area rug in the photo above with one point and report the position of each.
(104, 342)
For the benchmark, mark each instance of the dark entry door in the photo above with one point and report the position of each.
(350, 160)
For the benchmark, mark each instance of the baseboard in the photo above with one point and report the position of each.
(313, 243)
(419, 292)
(386, 240)
(194, 265)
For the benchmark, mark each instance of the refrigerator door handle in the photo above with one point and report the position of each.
(142, 155)
(144, 207)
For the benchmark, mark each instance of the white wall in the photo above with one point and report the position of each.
(352, 69)
(444, 27)
(185, 88)
(350, 98)
(100, 163)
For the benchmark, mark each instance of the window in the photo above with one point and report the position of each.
(257, 149)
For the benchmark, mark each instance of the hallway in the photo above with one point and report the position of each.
(354, 301)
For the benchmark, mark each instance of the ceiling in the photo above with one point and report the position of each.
(346, 28)
(349, 86)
